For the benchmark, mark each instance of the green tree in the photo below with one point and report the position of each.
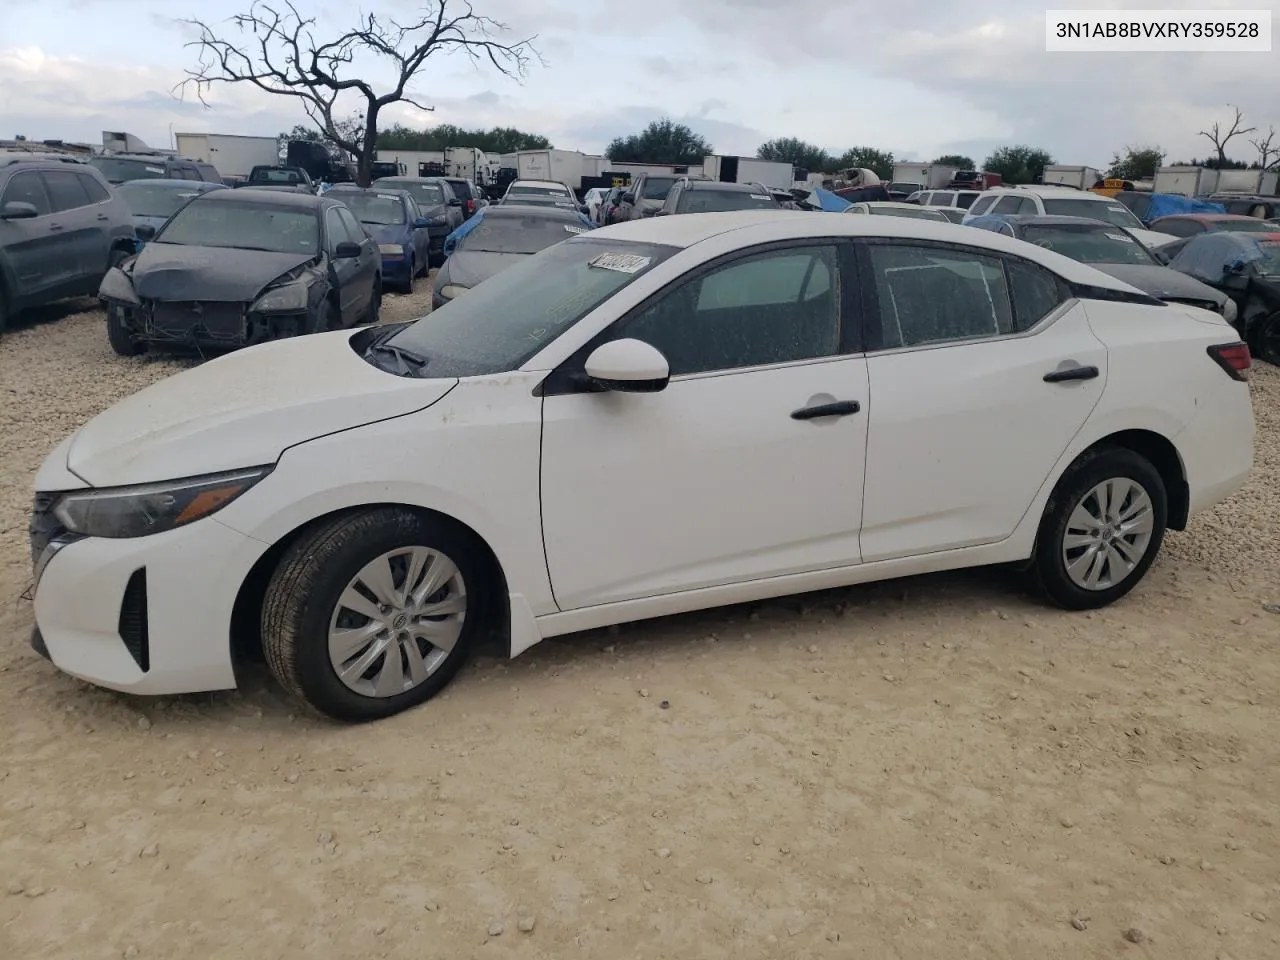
(798, 153)
(494, 140)
(1018, 164)
(662, 141)
(956, 160)
(879, 162)
(1136, 163)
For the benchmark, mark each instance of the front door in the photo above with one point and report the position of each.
(346, 270)
(33, 246)
(964, 427)
(726, 475)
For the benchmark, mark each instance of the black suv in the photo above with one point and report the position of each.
(119, 167)
(61, 227)
(708, 196)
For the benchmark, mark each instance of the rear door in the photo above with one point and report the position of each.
(32, 245)
(964, 427)
(85, 239)
(345, 271)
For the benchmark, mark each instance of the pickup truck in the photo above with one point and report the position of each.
(285, 179)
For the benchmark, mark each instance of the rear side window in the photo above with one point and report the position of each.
(1036, 293)
(982, 205)
(935, 295)
(27, 188)
(65, 191)
(96, 192)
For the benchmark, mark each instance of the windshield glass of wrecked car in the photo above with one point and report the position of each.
(376, 209)
(1089, 244)
(501, 323)
(498, 234)
(1269, 265)
(117, 170)
(154, 198)
(247, 226)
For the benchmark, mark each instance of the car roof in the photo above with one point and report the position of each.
(1047, 190)
(546, 211)
(8, 157)
(696, 184)
(408, 179)
(167, 184)
(538, 183)
(896, 205)
(270, 198)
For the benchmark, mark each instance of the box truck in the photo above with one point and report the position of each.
(1186, 181)
(232, 155)
(1257, 183)
(770, 173)
(1082, 178)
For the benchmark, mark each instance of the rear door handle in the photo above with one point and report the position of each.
(1063, 374)
(54, 227)
(103, 216)
(841, 408)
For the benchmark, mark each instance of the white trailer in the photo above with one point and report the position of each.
(635, 169)
(1260, 183)
(232, 155)
(562, 166)
(770, 173)
(1082, 178)
(1186, 181)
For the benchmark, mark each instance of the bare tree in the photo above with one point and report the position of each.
(1268, 156)
(276, 51)
(1220, 139)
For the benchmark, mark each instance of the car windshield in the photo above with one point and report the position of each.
(246, 226)
(522, 191)
(1269, 265)
(920, 213)
(1244, 226)
(657, 188)
(524, 234)
(427, 194)
(376, 209)
(504, 321)
(154, 199)
(118, 170)
(1109, 211)
(707, 201)
(1088, 244)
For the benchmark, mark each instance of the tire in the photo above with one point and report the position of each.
(118, 335)
(375, 306)
(1126, 474)
(330, 318)
(1264, 339)
(413, 272)
(4, 310)
(303, 603)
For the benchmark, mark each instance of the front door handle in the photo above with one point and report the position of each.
(1064, 374)
(103, 216)
(55, 227)
(841, 408)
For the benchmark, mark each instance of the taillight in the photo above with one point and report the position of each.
(471, 207)
(1233, 358)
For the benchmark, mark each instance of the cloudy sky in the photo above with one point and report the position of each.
(918, 77)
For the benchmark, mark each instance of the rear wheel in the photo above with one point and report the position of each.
(1101, 529)
(412, 272)
(373, 612)
(1264, 339)
(120, 336)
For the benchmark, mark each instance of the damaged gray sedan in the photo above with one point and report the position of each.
(233, 268)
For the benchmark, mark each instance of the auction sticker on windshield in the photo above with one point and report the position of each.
(1121, 237)
(569, 228)
(758, 196)
(387, 196)
(621, 262)
(154, 169)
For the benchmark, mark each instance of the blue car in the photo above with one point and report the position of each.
(152, 202)
(396, 224)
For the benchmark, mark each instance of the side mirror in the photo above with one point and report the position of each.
(17, 210)
(421, 223)
(583, 208)
(627, 198)
(144, 231)
(628, 366)
(347, 251)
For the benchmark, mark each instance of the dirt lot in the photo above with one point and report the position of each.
(936, 768)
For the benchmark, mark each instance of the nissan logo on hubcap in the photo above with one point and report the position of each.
(399, 622)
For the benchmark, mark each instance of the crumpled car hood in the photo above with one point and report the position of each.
(468, 269)
(241, 410)
(1162, 283)
(167, 271)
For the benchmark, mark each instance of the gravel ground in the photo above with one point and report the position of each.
(927, 768)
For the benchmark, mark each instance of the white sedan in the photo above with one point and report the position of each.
(656, 417)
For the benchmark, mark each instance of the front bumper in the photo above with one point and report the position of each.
(150, 615)
(213, 324)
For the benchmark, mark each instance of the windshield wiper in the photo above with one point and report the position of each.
(410, 363)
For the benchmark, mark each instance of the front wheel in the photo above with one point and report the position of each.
(1264, 339)
(373, 612)
(119, 335)
(1101, 529)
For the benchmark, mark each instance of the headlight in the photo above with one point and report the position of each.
(437, 221)
(116, 286)
(289, 298)
(145, 509)
(391, 250)
(451, 290)
(1229, 311)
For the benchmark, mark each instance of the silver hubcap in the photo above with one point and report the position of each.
(396, 621)
(1108, 534)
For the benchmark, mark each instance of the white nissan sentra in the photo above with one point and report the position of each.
(656, 417)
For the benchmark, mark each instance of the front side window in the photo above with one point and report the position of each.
(27, 188)
(355, 232)
(244, 226)
(938, 295)
(775, 307)
(657, 188)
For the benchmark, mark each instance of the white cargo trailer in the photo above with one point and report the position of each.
(232, 155)
(562, 166)
(1082, 178)
(1261, 183)
(770, 173)
(1186, 181)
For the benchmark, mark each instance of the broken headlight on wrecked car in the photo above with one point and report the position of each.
(287, 298)
(138, 511)
(116, 286)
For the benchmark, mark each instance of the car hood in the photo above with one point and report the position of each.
(467, 268)
(1162, 282)
(1152, 239)
(166, 271)
(396, 233)
(243, 409)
